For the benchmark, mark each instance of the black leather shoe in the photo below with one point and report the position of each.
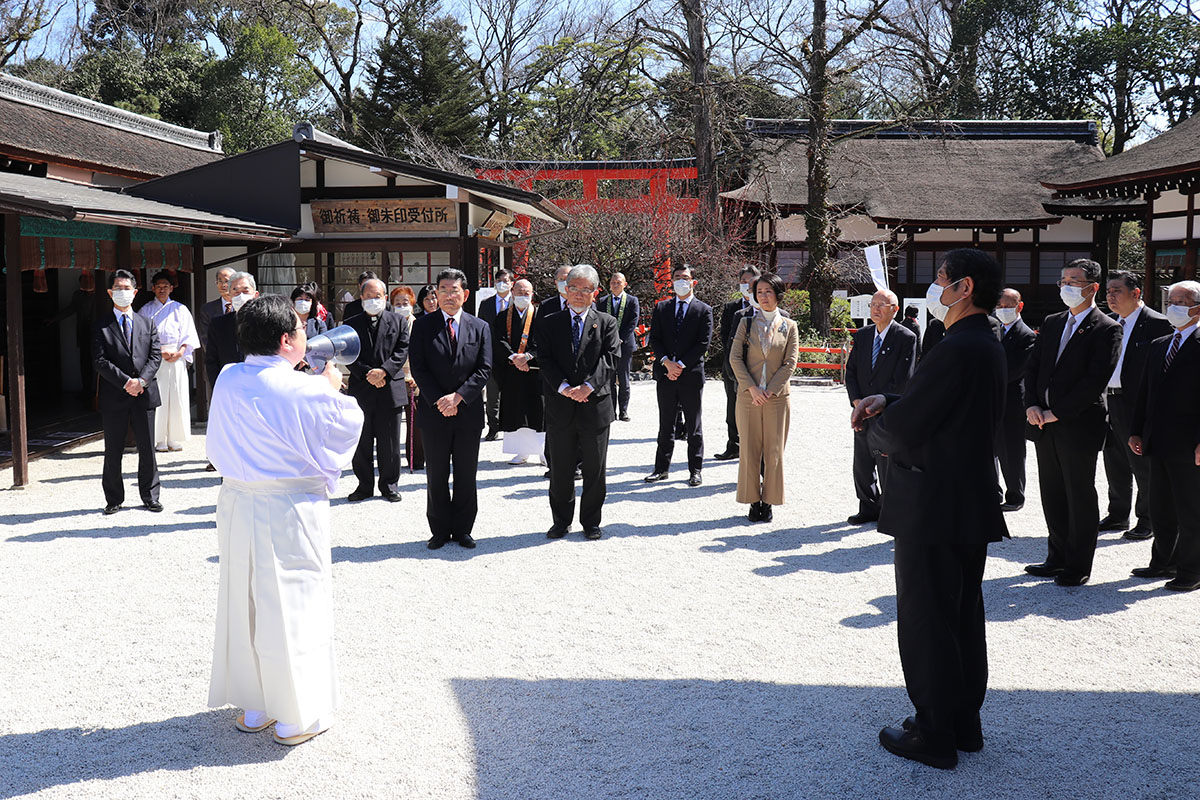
(1111, 523)
(110, 510)
(556, 532)
(1011, 506)
(910, 744)
(967, 742)
(1152, 572)
(1138, 533)
(694, 479)
(765, 514)
(436, 542)
(152, 505)
(655, 477)
(729, 454)
(1071, 579)
(862, 518)
(1183, 585)
(390, 496)
(491, 436)
(755, 514)
(593, 533)
(465, 540)
(1044, 570)
(624, 418)
(359, 494)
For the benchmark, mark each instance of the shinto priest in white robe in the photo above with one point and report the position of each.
(176, 331)
(280, 439)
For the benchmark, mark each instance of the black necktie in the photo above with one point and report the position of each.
(680, 310)
(127, 331)
(577, 332)
(1175, 344)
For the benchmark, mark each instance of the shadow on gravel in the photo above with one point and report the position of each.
(558, 739)
(30, 762)
(775, 541)
(116, 531)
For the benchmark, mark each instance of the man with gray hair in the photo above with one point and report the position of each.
(577, 351)
(221, 347)
(1166, 430)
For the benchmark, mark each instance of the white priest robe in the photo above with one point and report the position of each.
(176, 331)
(280, 439)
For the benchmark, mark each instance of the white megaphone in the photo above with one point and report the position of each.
(340, 345)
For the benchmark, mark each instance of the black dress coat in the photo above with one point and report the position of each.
(594, 365)
(627, 330)
(116, 363)
(439, 371)
(521, 404)
(386, 350)
(893, 368)
(221, 347)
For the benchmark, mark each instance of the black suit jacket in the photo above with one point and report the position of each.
(595, 365)
(439, 370)
(688, 345)
(551, 305)
(627, 329)
(895, 365)
(388, 351)
(221, 347)
(731, 314)
(1018, 347)
(1076, 383)
(1150, 325)
(487, 309)
(1166, 411)
(940, 440)
(116, 363)
(208, 312)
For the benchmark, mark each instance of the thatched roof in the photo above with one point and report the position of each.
(45, 125)
(954, 174)
(1162, 161)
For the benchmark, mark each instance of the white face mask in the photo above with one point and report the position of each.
(123, 297)
(521, 302)
(933, 301)
(240, 300)
(374, 306)
(303, 306)
(682, 288)
(745, 290)
(562, 286)
(404, 311)
(1006, 315)
(1072, 296)
(502, 287)
(1180, 316)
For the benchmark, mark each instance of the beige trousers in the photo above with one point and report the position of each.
(763, 431)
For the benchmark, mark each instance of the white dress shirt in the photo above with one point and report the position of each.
(1115, 381)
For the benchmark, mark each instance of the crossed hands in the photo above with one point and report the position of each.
(1040, 417)
(448, 404)
(579, 394)
(759, 397)
(133, 387)
(520, 361)
(673, 370)
(377, 378)
(171, 355)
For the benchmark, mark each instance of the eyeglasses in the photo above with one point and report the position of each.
(1083, 285)
(882, 306)
(1169, 304)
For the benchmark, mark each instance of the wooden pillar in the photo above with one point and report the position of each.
(18, 425)
(1189, 239)
(1149, 290)
(468, 247)
(1001, 256)
(199, 279)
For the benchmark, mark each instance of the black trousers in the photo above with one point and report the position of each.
(864, 468)
(569, 445)
(1010, 451)
(1175, 508)
(1122, 467)
(731, 392)
(492, 402)
(447, 447)
(620, 388)
(685, 394)
(1067, 477)
(380, 434)
(943, 646)
(116, 423)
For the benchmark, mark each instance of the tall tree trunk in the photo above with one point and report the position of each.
(706, 177)
(817, 223)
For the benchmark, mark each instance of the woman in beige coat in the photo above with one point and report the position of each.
(763, 357)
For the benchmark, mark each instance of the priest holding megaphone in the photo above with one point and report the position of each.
(377, 383)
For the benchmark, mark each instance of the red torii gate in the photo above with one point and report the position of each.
(660, 202)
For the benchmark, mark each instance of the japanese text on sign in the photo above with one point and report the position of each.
(345, 216)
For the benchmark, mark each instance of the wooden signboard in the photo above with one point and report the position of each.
(385, 215)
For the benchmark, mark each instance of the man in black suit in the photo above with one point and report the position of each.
(127, 355)
(577, 349)
(215, 308)
(221, 347)
(942, 505)
(354, 307)
(680, 332)
(488, 311)
(1017, 338)
(558, 303)
(1140, 326)
(625, 310)
(731, 315)
(451, 359)
(377, 383)
(1071, 362)
(910, 322)
(1166, 431)
(881, 361)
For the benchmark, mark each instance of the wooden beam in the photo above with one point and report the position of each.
(18, 424)
(1149, 293)
(1189, 239)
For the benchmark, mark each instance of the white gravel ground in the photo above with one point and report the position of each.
(687, 654)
